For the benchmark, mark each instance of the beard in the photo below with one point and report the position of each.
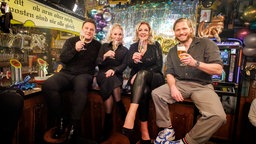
(186, 39)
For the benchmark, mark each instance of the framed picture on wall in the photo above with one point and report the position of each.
(205, 15)
(229, 103)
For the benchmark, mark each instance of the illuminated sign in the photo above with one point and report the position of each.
(25, 11)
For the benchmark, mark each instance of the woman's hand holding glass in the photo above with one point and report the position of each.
(115, 45)
(110, 54)
(137, 57)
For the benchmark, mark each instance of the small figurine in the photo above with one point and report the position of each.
(24, 85)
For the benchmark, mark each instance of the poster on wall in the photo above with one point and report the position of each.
(229, 104)
(90, 4)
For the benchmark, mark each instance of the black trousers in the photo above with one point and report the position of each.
(57, 84)
(11, 105)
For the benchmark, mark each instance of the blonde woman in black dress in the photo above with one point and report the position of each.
(112, 62)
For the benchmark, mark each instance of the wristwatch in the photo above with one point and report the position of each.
(197, 64)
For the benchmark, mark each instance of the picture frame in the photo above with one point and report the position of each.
(90, 4)
(229, 103)
(205, 15)
(115, 2)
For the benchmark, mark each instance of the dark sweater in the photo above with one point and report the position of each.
(82, 62)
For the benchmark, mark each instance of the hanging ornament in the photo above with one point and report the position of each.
(249, 14)
(107, 16)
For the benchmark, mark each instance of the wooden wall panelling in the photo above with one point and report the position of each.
(93, 116)
(182, 116)
(33, 121)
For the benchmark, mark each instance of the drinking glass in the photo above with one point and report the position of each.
(114, 46)
(82, 38)
(181, 49)
(140, 49)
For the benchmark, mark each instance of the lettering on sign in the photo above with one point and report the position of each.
(43, 16)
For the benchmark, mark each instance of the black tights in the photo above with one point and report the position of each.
(109, 102)
(141, 92)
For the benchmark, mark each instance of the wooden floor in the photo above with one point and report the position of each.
(117, 138)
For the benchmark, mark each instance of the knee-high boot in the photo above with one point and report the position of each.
(60, 129)
(73, 132)
(107, 127)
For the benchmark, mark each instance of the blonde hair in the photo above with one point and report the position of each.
(189, 23)
(150, 37)
(108, 38)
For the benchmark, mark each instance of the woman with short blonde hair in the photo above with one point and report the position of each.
(111, 62)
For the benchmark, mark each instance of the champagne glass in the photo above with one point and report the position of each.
(82, 38)
(181, 49)
(114, 46)
(140, 49)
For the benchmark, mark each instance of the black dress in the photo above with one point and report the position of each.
(118, 64)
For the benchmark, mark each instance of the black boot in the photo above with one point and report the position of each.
(72, 132)
(107, 127)
(71, 135)
(129, 133)
(121, 110)
(60, 130)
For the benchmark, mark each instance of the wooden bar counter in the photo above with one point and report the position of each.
(33, 120)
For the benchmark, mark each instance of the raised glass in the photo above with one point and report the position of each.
(140, 49)
(180, 50)
(82, 38)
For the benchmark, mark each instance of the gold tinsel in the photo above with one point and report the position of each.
(166, 43)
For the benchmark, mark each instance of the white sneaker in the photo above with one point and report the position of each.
(168, 134)
(172, 142)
